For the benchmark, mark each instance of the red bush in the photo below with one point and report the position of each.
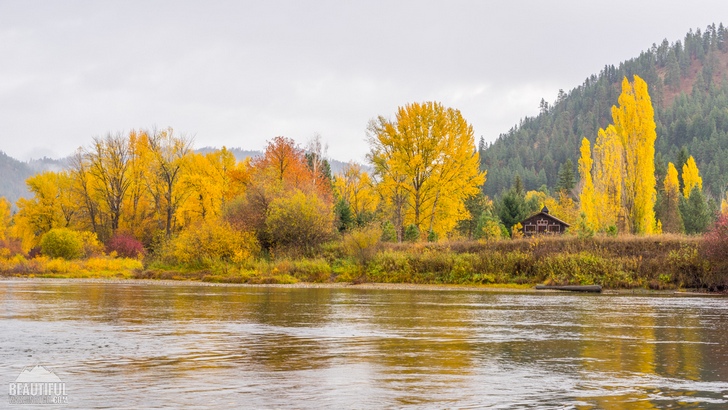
(715, 241)
(125, 245)
(715, 250)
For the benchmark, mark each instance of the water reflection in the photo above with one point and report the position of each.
(154, 346)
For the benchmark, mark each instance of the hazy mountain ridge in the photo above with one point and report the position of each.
(14, 173)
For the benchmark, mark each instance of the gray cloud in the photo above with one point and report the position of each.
(239, 73)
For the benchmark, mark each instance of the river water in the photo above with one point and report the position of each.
(151, 345)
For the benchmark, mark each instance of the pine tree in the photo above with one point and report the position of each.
(566, 176)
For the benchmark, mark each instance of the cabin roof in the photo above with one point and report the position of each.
(548, 216)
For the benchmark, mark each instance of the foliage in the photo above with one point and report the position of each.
(517, 231)
(208, 243)
(77, 268)
(426, 165)
(715, 248)
(356, 189)
(635, 124)
(363, 243)
(299, 222)
(694, 210)
(490, 228)
(608, 177)
(669, 209)
(126, 246)
(567, 181)
(62, 243)
(587, 199)
(412, 233)
(432, 236)
(5, 218)
(344, 217)
(691, 177)
(692, 115)
(512, 208)
(388, 232)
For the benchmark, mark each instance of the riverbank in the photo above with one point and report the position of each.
(343, 285)
(661, 262)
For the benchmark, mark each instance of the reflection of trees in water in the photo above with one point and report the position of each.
(427, 344)
(642, 343)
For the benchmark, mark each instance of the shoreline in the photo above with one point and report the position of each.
(358, 286)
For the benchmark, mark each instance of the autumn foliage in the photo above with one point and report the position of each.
(624, 189)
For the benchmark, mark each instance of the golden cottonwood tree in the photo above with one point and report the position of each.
(587, 198)
(691, 177)
(671, 219)
(209, 180)
(356, 188)
(5, 217)
(108, 163)
(426, 165)
(634, 122)
(607, 176)
(51, 207)
(168, 158)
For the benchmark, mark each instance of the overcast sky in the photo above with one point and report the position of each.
(239, 73)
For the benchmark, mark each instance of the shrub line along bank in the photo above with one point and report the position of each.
(649, 262)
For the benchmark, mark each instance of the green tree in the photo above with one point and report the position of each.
(512, 209)
(695, 212)
(567, 179)
(412, 233)
(344, 216)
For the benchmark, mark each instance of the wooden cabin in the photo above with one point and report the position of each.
(543, 224)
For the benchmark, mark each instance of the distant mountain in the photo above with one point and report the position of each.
(688, 84)
(337, 167)
(13, 174)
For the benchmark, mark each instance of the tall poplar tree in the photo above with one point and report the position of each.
(608, 167)
(587, 199)
(634, 121)
(671, 220)
(691, 177)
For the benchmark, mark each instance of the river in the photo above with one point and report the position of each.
(159, 345)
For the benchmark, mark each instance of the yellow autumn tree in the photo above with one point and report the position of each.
(587, 198)
(671, 219)
(691, 177)
(634, 122)
(208, 181)
(356, 188)
(51, 207)
(607, 176)
(426, 164)
(724, 204)
(168, 159)
(5, 216)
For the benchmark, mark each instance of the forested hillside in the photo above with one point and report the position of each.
(14, 173)
(688, 83)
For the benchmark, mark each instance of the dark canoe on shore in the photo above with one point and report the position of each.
(573, 288)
